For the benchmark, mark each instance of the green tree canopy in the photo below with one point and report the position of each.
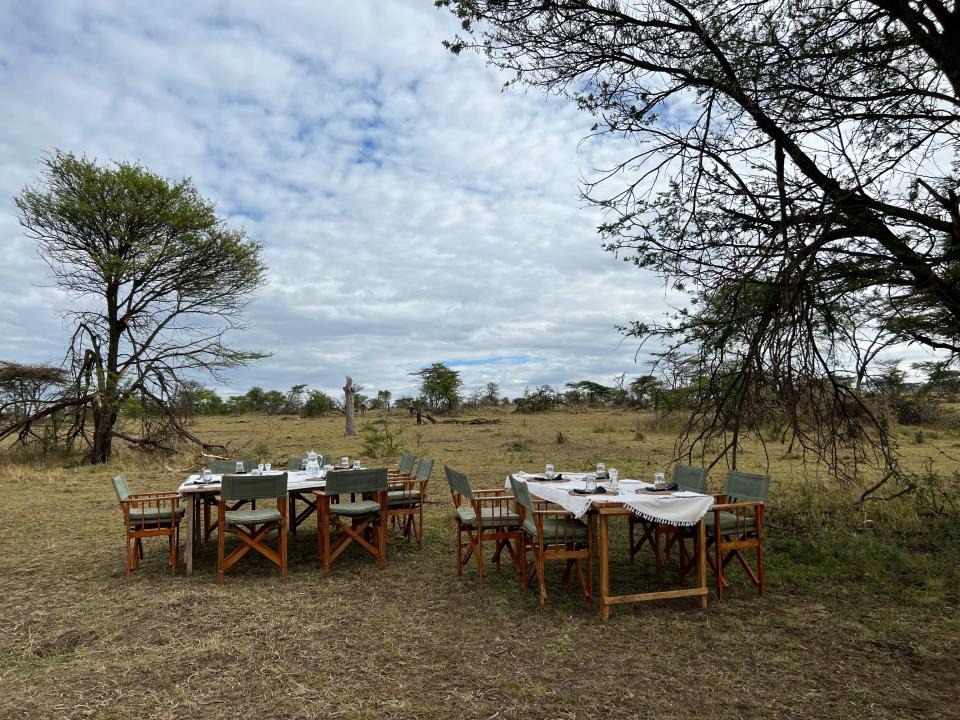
(440, 386)
(157, 279)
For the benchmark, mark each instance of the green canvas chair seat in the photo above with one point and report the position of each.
(358, 508)
(492, 517)
(558, 529)
(397, 498)
(252, 517)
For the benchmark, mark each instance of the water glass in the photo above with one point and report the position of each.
(267, 467)
(327, 468)
(659, 481)
(601, 468)
(548, 472)
(260, 468)
(344, 462)
(614, 479)
(239, 466)
(356, 463)
(591, 483)
(207, 476)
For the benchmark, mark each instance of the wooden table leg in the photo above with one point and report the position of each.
(604, 568)
(702, 560)
(191, 526)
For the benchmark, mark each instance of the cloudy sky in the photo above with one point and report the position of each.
(411, 211)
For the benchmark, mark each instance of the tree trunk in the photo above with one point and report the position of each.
(349, 390)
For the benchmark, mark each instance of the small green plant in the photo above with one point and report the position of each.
(380, 439)
(261, 451)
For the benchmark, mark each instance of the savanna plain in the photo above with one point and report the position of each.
(859, 619)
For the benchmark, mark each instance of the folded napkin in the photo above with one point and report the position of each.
(543, 478)
(582, 491)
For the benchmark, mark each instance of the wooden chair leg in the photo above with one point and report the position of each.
(221, 543)
(382, 531)
(590, 549)
(459, 550)
(633, 549)
(130, 551)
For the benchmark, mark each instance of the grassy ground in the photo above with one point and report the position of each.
(860, 618)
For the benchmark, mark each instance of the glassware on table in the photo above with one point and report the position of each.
(260, 467)
(239, 466)
(591, 483)
(614, 479)
(548, 472)
(267, 467)
(313, 465)
(601, 468)
(344, 462)
(207, 476)
(327, 468)
(356, 463)
(659, 481)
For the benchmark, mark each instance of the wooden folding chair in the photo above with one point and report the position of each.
(483, 516)
(406, 498)
(553, 534)
(148, 515)
(357, 520)
(735, 524)
(252, 525)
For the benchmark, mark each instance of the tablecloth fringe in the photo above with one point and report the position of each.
(650, 518)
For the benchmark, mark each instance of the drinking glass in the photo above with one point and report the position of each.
(239, 467)
(659, 481)
(356, 463)
(260, 468)
(207, 476)
(548, 472)
(267, 467)
(601, 468)
(614, 479)
(591, 482)
(327, 468)
(344, 462)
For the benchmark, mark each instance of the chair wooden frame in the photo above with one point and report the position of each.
(372, 482)
(135, 532)
(563, 546)
(252, 535)
(410, 513)
(502, 526)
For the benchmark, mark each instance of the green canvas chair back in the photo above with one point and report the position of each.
(219, 467)
(522, 494)
(249, 464)
(295, 463)
(356, 481)
(746, 486)
(406, 463)
(253, 487)
(458, 482)
(325, 460)
(424, 468)
(690, 478)
(120, 487)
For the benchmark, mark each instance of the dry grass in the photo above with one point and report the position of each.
(858, 622)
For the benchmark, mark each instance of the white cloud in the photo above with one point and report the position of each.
(410, 210)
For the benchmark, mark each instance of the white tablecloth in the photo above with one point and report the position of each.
(674, 508)
(296, 480)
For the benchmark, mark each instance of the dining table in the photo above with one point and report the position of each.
(629, 496)
(196, 487)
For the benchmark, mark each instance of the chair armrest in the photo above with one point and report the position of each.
(736, 506)
(560, 512)
(154, 495)
(487, 491)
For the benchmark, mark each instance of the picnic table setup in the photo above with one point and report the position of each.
(580, 493)
(532, 518)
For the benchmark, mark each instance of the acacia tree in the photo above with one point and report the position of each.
(156, 279)
(440, 386)
(790, 165)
